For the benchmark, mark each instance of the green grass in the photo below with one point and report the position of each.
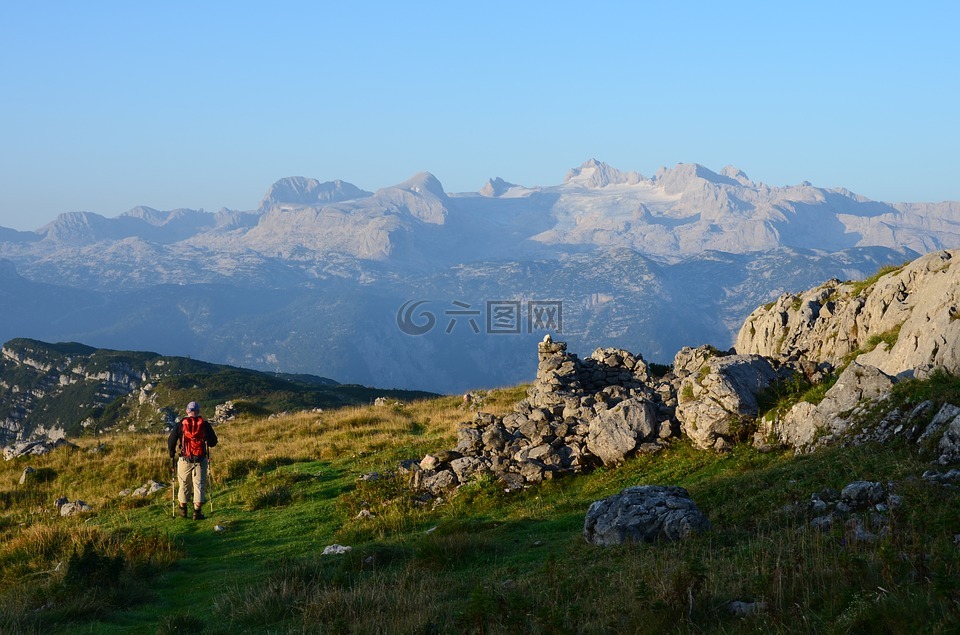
(481, 561)
(858, 286)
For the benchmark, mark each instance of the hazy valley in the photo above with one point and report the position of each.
(314, 278)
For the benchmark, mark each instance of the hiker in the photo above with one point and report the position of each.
(193, 434)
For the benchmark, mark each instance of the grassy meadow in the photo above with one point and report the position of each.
(481, 561)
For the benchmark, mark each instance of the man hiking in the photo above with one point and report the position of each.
(193, 434)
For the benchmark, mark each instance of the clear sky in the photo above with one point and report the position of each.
(109, 105)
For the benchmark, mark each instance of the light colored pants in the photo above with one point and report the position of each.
(193, 481)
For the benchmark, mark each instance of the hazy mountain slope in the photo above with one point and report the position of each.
(313, 279)
(62, 388)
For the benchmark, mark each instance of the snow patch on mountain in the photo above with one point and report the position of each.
(597, 174)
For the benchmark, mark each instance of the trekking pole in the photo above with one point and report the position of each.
(173, 485)
(210, 479)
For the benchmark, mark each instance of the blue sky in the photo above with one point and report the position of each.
(109, 105)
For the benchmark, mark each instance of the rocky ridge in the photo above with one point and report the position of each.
(583, 413)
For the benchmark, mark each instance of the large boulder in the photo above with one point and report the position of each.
(806, 425)
(644, 513)
(719, 400)
(615, 433)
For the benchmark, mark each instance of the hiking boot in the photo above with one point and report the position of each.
(183, 511)
(197, 514)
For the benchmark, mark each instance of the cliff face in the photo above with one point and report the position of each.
(58, 389)
(52, 391)
(904, 322)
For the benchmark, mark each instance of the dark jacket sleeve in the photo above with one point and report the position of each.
(211, 436)
(174, 439)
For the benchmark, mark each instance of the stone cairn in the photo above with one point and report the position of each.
(578, 414)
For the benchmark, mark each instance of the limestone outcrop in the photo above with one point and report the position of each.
(905, 322)
(34, 448)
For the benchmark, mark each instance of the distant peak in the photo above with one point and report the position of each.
(496, 187)
(736, 174)
(299, 190)
(596, 174)
(423, 183)
(675, 180)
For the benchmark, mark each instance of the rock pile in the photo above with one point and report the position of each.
(862, 507)
(578, 414)
(224, 412)
(582, 413)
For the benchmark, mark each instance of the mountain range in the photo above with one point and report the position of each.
(413, 287)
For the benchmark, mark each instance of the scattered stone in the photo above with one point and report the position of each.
(219, 528)
(336, 550)
(861, 495)
(943, 478)
(27, 471)
(73, 508)
(34, 448)
(148, 488)
(738, 608)
(364, 514)
(862, 507)
(643, 514)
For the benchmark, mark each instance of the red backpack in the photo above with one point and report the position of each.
(194, 440)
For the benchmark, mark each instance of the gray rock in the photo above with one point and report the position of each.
(943, 418)
(34, 448)
(615, 433)
(738, 608)
(807, 426)
(949, 446)
(440, 482)
(468, 467)
(27, 471)
(469, 440)
(73, 508)
(643, 514)
(861, 495)
(916, 302)
(721, 397)
(336, 550)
